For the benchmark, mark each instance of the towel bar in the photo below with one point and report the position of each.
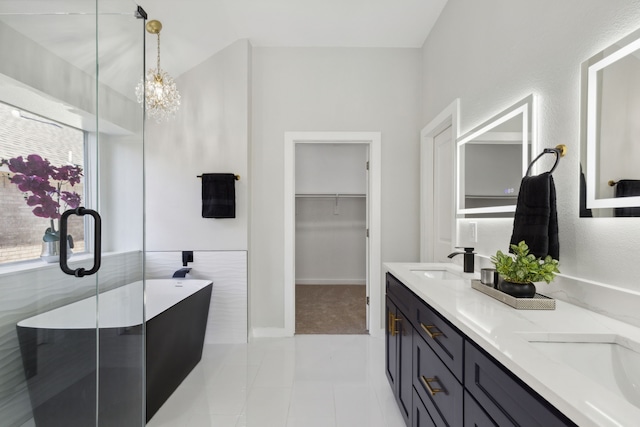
(237, 177)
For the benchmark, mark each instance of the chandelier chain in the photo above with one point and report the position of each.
(158, 67)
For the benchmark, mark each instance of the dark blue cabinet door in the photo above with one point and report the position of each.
(391, 345)
(398, 362)
(421, 416)
(506, 399)
(474, 415)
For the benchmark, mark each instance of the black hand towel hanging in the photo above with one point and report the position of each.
(536, 217)
(627, 188)
(218, 195)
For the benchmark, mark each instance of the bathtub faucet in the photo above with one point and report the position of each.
(181, 274)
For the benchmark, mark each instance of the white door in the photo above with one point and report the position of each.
(443, 195)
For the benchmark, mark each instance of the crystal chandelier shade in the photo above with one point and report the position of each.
(158, 91)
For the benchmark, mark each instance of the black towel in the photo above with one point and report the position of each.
(627, 188)
(536, 218)
(218, 195)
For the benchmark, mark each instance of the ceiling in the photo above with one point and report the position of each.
(194, 30)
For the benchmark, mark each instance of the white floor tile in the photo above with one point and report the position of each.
(311, 422)
(212, 420)
(267, 407)
(308, 380)
(312, 400)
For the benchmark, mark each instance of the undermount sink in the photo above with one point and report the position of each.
(436, 274)
(611, 360)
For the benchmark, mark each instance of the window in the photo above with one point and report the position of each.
(46, 159)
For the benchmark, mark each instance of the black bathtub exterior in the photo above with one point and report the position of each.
(174, 346)
(60, 366)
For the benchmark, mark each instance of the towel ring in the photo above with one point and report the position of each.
(559, 151)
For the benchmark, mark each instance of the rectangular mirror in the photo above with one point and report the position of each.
(610, 132)
(491, 161)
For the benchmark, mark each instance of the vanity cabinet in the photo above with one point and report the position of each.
(440, 377)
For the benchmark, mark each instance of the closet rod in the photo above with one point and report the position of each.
(329, 195)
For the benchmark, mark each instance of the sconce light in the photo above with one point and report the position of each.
(158, 90)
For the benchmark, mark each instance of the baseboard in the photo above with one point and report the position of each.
(269, 333)
(330, 282)
(376, 333)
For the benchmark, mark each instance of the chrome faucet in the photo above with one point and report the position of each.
(468, 258)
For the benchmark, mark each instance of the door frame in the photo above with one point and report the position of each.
(447, 117)
(373, 141)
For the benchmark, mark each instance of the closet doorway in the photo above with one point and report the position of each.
(332, 232)
(331, 239)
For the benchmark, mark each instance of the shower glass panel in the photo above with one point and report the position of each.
(71, 135)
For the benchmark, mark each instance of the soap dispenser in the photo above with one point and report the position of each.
(469, 258)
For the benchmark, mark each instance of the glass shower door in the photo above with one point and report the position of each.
(71, 140)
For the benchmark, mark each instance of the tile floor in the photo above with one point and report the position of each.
(308, 380)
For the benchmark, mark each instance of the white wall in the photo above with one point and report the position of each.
(493, 53)
(330, 89)
(121, 193)
(331, 168)
(210, 134)
(331, 241)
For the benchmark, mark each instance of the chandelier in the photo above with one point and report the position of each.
(158, 90)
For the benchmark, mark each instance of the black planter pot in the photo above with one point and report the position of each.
(518, 290)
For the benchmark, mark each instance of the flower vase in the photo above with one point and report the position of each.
(51, 251)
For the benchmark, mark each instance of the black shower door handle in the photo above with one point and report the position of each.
(97, 242)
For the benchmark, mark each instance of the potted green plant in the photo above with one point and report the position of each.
(519, 271)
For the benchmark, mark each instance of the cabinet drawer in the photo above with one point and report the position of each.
(505, 398)
(444, 339)
(421, 416)
(401, 295)
(474, 415)
(437, 387)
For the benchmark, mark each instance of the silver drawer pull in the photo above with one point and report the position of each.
(427, 329)
(427, 383)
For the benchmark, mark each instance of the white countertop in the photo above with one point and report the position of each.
(120, 307)
(501, 330)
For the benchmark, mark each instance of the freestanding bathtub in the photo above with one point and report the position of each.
(59, 350)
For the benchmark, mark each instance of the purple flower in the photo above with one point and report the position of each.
(67, 173)
(34, 166)
(48, 208)
(73, 200)
(34, 184)
(34, 175)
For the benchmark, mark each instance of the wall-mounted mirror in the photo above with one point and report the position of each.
(610, 152)
(491, 161)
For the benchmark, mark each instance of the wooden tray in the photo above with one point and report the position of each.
(538, 302)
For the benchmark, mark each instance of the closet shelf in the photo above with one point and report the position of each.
(329, 195)
(487, 196)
